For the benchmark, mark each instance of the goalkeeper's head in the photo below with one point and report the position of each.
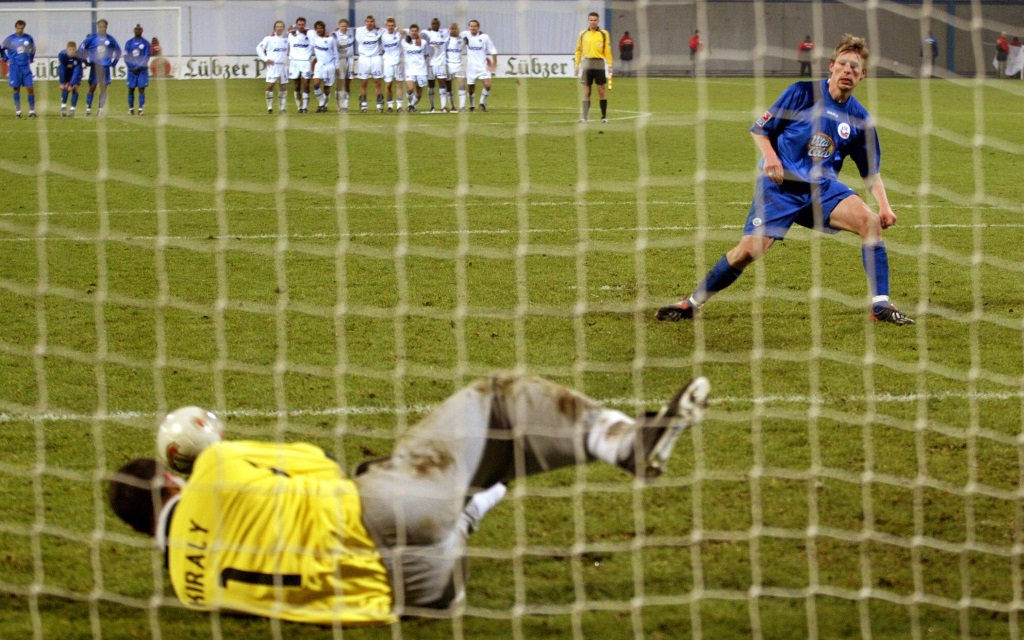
(139, 490)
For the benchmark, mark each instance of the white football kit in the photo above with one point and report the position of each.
(345, 48)
(415, 60)
(478, 49)
(453, 56)
(391, 45)
(300, 52)
(438, 67)
(274, 49)
(368, 46)
(325, 48)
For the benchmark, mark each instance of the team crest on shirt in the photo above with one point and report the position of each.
(763, 120)
(821, 146)
(844, 130)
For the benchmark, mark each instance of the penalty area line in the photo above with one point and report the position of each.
(421, 409)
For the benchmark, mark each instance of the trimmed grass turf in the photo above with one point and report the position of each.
(354, 270)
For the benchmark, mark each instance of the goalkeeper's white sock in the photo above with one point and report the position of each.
(481, 503)
(483, 96)
(610, 438)
(462, 98)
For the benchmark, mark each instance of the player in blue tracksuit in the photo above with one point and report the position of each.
(136, 58)
(803, 139)
(69, 72)
(19, 50)
(102, 52)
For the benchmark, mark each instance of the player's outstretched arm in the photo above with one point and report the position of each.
(876, 188)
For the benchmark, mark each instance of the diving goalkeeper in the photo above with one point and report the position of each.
(278, 530)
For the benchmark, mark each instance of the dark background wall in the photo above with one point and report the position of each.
(745, 37)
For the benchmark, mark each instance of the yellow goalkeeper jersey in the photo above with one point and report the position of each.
(275, 530)
(593, 44)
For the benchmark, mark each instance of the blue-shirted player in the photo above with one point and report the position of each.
(136, 58)
(69, 72)
(19, 50)
(804, 139)
(102, 52)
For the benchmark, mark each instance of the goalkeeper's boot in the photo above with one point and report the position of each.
(681, 310)
(31, 114)
(885, 312)
(17, 114)
(659, 431)
(141, 112)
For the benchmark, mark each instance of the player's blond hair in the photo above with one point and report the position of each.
(391, 20)
(851, 44)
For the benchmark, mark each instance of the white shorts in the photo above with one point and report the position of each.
(300, 69)
(472, 75)
(369, 68)
(437, 71)
(455, 70)
(276, 73)
(326, 72)
(420, 80)
(344, 69)
(392, 72)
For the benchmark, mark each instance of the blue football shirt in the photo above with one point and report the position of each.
(813, 134)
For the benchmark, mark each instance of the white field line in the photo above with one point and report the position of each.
(377, 206)
(420, 409)
(115, 237)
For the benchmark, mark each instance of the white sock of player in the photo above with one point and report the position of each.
(607, 440)
(298, 99)
(284, 98)
(270, 100)
(444, 98)
(318, 92)
(305, 99)
(398, 103)
(430, 95)
(344, 104)
(462, 98)
(483, 502)
(483, 96)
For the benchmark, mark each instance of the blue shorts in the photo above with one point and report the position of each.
(777, 207)
(74, 80)
(138, 80)
(94, 74)
(19, 76)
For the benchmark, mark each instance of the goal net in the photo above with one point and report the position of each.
(333, 277)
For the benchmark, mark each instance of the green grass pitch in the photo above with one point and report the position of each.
(330, 277)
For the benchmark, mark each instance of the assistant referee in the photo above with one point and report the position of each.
(593, 53)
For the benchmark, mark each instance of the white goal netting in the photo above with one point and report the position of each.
(332, 277)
